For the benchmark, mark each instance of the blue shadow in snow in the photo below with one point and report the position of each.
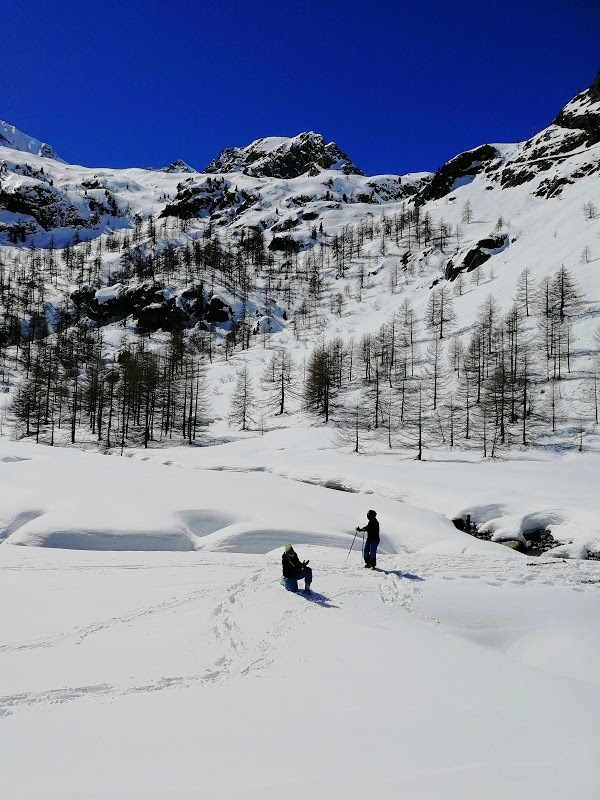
(399, 574)
(315, 597)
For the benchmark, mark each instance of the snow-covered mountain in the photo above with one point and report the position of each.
(281, 157)
(288, 237)
(178, 166)
(46, 195)
(16, 140)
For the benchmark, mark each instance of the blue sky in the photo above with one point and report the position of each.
(399, 86)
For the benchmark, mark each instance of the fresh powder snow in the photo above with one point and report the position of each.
(159, 654)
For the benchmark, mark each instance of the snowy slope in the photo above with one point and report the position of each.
(533, 206)
(16, 140)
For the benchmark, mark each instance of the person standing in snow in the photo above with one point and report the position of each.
(372, 531)
(294, 569)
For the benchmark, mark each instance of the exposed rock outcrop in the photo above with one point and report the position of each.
(278, 157)
(460, 169)
(178, 166)
(476, 256)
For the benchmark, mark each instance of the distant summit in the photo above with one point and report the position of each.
(281, 157)
(178, 166)
(13, 138)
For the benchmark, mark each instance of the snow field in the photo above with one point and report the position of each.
(460, 669)
(197, 672)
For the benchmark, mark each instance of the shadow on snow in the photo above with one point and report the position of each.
(399, 574)
(315, 597)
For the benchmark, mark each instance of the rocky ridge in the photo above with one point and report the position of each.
(282, 186)
(278, 157)
(13, 138)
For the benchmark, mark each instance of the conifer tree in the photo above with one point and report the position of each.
(440, 312)
(279, 381)
(243, 401)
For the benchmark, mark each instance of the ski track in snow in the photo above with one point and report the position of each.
(239, 654)
(77, 636)
(399, 589)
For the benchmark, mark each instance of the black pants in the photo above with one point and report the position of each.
(370, 553)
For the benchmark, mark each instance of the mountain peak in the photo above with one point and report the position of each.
(582, 113)
(178, 166)
(16, 140)
(284, 157)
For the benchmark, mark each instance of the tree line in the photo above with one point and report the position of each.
(412, 383)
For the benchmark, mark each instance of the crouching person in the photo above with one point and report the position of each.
(294, 570)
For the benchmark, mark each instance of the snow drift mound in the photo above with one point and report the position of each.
(50, 530)
(65, 498)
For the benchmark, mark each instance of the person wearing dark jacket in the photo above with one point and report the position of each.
(372, 531)
(294, 569)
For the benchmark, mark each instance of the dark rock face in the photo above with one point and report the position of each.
(154, 309)
(285, 244)
(476, 256)
(193, 300)
(594, 90)
(552, 187)
(212, 197)
(306, 153)
(464, 165)
(191, 202)
(516, 176)
(37, 202)
(44, 207)
(286, 225)
(128, 303)
(50, 209)
(583, 113)
(217, 311)
(163, 316)
(576, 128)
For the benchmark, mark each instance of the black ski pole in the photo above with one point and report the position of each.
(351, 546)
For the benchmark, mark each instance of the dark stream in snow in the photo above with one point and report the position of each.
(537, 541)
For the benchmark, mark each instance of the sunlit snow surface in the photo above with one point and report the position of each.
(459, 670)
